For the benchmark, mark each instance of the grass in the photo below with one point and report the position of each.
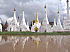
(28, 33)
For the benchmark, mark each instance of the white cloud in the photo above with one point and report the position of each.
(30, 7)
(3, 18)
(0, 5)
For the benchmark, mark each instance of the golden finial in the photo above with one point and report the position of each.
(32, 22)
(63, 17)
(15, 8)
(36, 21)
(58, 9)
(27, 20)
(45, 6)
(23, 8)
(67, 0)
(54, 15)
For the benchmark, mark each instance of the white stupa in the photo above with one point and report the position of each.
(0, 25)
(54, 26)
(45, 27)
(63, 22)
(67, 22)
(36, 26)
(23, 26)
(59, 26)
(13, 26)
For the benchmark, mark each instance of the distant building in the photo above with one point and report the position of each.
(5, 26)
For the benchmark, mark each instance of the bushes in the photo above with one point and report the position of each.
(35, 33)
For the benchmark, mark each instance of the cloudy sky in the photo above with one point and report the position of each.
(30, 7)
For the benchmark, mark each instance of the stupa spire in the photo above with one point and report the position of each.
(59, 26)
(54, 20)
(67, 9)
(63, 17)
(45, 20)
(14, 13)
(67, 0)
(58, 9)
(63, 21)
(23, 19)
(27, 23)
(54, 15)
(36, 21)
(15, 8)
(23, 8)
(45, 6)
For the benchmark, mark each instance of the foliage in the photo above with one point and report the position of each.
(33, 33)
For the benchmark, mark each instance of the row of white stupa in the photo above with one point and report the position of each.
(38, 27)
(45, 26)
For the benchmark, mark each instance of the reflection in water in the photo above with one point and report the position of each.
(35, 44)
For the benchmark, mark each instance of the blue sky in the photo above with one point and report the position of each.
(30, 7)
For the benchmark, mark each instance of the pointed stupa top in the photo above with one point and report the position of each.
(45, 6)
(54, 15)
(67, 0)
(15, 8)
(27, 20)
(23, 9)
(58, 9)
(23, 20)
(36, 21)
(63, 17)
(45, 18)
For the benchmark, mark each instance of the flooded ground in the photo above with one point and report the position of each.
(35, 44)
